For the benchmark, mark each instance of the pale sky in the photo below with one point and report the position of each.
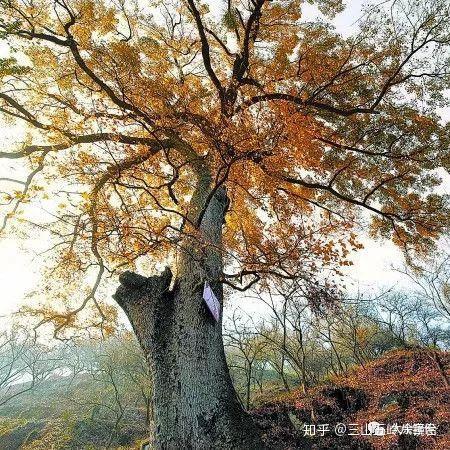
(19, 268)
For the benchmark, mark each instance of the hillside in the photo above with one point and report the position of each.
(59, 415)
(403, 387)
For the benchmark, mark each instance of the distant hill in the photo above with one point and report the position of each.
(404, 388)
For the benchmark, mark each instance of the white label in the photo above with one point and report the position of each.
(211, 301)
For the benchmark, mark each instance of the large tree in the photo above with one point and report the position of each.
(232, 143)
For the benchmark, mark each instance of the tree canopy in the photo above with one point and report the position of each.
(137, 113)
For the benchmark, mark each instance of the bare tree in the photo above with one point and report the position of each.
(24, 364)
(433, 283)
(246, 352)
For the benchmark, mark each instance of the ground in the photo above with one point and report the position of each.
(403, 387)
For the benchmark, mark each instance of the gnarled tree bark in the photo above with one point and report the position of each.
(195, 404)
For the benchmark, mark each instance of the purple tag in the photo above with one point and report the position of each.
(211, 301)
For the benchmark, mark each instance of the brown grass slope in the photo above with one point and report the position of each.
(403, 387)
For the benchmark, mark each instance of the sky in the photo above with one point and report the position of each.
(19, 266)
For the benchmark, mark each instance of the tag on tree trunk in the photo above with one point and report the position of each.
(211, 301)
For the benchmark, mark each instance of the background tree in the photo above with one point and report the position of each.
(351, 333)
(24, 364)
(289, 319)
(95, 394)
(148, 126)
(118, 385)
(432, 282)
(245, 354)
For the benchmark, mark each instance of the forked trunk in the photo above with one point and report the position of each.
(195, 404)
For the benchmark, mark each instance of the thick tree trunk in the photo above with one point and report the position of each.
(195, 405)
